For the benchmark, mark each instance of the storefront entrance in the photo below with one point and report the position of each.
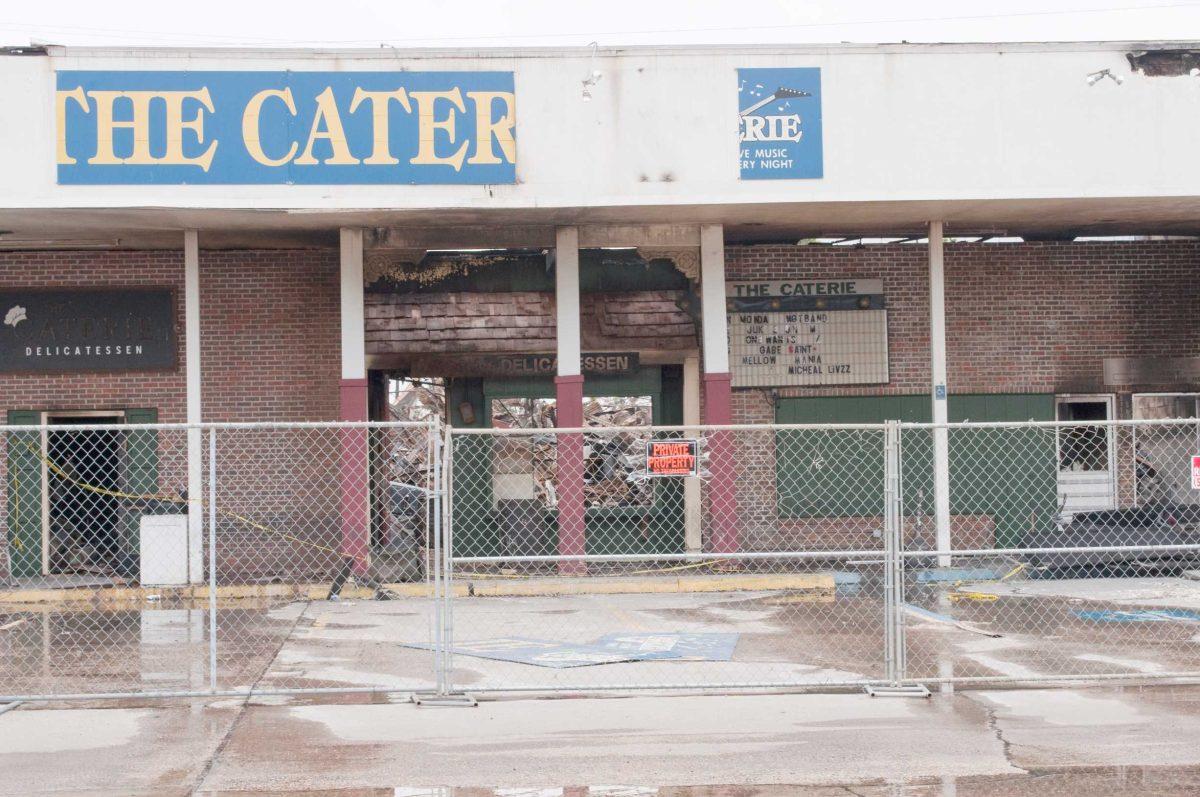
(508, 483)
(69, 514)
(80, 507)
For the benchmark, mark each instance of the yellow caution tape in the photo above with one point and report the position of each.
(971, 596)
(258, 526)
(1014, 571)
(58, 471)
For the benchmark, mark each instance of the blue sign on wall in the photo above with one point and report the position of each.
(779, 123)
(313, 128)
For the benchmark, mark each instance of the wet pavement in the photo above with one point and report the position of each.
(986, 742)
(1030, 630)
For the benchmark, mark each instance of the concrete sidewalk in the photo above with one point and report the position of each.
(293, 746)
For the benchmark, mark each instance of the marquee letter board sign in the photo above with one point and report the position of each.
(807, 333)
(58, 331)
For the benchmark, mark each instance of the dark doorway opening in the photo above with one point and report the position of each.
(83, 476)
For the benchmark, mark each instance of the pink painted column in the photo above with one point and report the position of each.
(355, 478)
(722, 490)
(568, 391)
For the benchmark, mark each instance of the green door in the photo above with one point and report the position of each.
(24, 492)
(140, 478)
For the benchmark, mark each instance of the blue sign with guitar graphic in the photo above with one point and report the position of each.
(779, 124)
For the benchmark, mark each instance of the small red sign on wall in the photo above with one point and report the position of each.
(1196, 472)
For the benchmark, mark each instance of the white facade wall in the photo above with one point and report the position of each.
(901, 123)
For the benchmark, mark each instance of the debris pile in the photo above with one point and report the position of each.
(610, 456)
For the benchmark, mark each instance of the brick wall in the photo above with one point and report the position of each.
(1032, 317)
(269, 332)
(164, 390)
(269, 352)
(270, 335)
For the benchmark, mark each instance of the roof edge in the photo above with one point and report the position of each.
(387, 52)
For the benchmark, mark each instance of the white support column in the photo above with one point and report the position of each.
(712, 299)
(191, 356)
(568, 394)
(693, 516)
(725, 531)
(355, 490)
(354, 356)
(937, 361)
(566, 295)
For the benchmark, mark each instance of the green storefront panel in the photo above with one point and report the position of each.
(24, 495)
(837, 472)
(139, 479)
(1006, 474)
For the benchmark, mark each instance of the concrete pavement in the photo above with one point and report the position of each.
(281, 746)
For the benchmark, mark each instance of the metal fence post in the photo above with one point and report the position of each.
(895, 649)
(212, 559)
(891, 557)
(443, 592)
(435, 516)
(446, 527)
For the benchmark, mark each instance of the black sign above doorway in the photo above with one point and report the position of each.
(103, 329)
(507, 365)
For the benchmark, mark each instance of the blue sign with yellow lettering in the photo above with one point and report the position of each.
(779, 124)
(310, 128)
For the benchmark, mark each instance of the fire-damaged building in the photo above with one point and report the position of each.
(769, 236)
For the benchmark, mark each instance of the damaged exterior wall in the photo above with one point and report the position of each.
(523, 321)
(1020, 318)
(1033, 318)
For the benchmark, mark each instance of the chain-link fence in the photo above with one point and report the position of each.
(116, 578)
(1062, 548)
(592, 559)
(263, 558)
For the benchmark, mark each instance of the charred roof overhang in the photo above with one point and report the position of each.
(1164, 63)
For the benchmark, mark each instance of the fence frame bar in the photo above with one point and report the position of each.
(212, 560)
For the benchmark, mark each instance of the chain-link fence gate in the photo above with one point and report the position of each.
(409, 557)
(574, 566)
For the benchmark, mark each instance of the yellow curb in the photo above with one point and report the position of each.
(601, 585)
(820, 583)
(107, 595)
